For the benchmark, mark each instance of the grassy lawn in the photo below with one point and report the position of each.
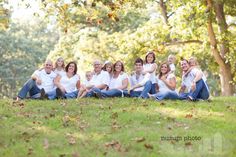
(118, 127)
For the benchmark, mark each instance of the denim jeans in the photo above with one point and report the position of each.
(153, 89)
(52, 94)
(144, 93)
(31, 88)
(166, 95)
(111, 93)
(201, 92)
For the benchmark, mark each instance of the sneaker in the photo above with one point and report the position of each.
(151, 96)
(42, 94)
(98, 95)
(190, 98)
(59, 94)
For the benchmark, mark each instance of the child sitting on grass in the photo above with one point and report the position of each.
(84, 89)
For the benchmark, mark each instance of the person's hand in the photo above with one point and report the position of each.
(163, 77)
(144, 72)
(193, 86)
(39, 81)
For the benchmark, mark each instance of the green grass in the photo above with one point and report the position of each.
(117, 127)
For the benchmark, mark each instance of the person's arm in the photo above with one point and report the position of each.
(153, 68)
(36, 77)
(101, 86)
(124, 84)
(78, 84)
(141, 83)
(57, 83)
(171, 83)
(198, 77)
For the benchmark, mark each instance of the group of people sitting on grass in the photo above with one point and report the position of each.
(111, 80)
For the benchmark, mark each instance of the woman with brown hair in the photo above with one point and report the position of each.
(166, 84)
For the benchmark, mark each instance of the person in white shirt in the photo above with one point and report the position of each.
(166, 84)
(41, 81)
(171, 61)
(193, 86)
(100, 79)
(85, 88)
(59, 66)
(118, 83)
(68, 84)
(150, 67)
(108, 66)
(140, 82)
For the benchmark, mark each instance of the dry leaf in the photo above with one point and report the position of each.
(45, 144)
(139, 139)
(114, 115)
(114, 144)
(148, 146)
(188, 116)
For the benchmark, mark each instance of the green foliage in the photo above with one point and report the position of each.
(24, 48)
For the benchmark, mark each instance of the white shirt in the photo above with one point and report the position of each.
(117, 82)
(87, 83)
(47, 79)
(69, 83)
(139, 79)
(161, 84)
(60, 72)
(153, 74)
(187, 80)
(172, 67)
(102, 78)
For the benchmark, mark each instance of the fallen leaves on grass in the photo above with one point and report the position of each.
(114, 144)
(189, 116)
(162, 103)
(114, 115)
(148, 146)
(139, 139)
(45, 143)
(115, 126)
(71, 139)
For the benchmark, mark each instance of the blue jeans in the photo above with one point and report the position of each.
(111, 93)
(166, 95)
(153, 89)
(144, 93)
(201, 92)
(52, 94)
(31, 88)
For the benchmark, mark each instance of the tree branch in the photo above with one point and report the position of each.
(183, 42)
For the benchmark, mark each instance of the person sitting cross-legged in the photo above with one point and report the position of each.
(67, 85)
(193, 85)
(118, 83)
(140, 82)
(166, 84)
(41, 81)
(100, 79)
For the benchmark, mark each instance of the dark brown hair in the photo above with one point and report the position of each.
(122, 66)
(67, 67)
(138, 60)
(153, 54)
(168, 69)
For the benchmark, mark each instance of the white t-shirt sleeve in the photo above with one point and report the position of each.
(106, 78)
(170, 76)
(37, 73)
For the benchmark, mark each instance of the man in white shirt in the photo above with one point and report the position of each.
(140, 83)
(193, 87)
(41, 82)
(100, 79)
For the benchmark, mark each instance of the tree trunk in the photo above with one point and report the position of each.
(226, 77)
